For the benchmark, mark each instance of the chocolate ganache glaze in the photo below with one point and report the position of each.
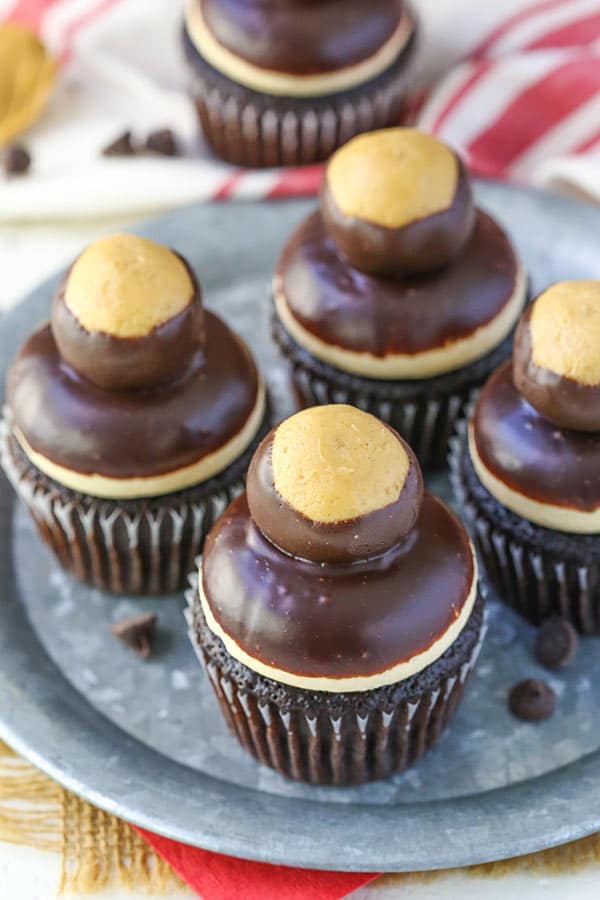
(531, 455)
(337, 620)
(132, 433)
(302, 37)
(383, 316)
(131, 380)
(336, 564)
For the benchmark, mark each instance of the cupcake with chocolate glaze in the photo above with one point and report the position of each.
(336, 609)
(289, 81)
(397, 295)
(131, 418)
(527, 468)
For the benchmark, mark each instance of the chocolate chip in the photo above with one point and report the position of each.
(121, 146)
(137, 632)
(163, 142)
(532, 700)
(556, 643)
(17, 160)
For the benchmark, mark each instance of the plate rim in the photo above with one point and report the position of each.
(557, 803)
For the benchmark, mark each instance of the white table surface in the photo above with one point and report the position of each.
(27, 874)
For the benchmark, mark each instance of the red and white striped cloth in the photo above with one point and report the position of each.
(526, 104)
(520, 98)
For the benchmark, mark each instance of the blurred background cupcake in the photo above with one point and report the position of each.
(337, 610)
(286, 83)
(397, 295)
(527, 470)
(131, 418)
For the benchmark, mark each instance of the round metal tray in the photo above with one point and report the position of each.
(145, 740)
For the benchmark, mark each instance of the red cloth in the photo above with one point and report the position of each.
(217, 877)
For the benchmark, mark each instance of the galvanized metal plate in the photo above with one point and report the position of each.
(146, 741)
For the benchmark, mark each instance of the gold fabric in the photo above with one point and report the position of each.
(100, 851)
(27, 74)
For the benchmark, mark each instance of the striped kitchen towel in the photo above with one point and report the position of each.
(520, 98)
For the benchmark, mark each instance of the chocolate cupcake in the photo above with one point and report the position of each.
(527, 468)
(398, 295)
(336, 610)
(286, 83)
(131, 418)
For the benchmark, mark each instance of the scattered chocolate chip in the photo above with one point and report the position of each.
(121, 146)
(556, 643)
(137, 632)
(532, 700)
(163, 142)
(17, 160)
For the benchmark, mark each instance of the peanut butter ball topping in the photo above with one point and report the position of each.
(393, 176)
(336, 463)
(126, 285)
(556, 359)
(128, 314)
(565, 330)
(334, 484)
(397, 201)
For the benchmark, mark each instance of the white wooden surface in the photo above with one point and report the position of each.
(31, 875)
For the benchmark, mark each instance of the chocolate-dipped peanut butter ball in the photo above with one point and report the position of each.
(556, 358)
(288, 82)
(528, 470)
(336, 599)
(397, 295)
(129, 314)
(334, 487)
(397, 202)
(132, 417)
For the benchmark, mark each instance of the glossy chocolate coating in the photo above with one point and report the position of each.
(563, 401)
(423, 245)
(337, 620)
(117, 363)
(531, 455)
(123, 434)
(366, 314)
(302, 37)
(359, 538)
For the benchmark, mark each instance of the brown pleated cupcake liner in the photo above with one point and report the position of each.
(535, 571)
(321, 747)
(424, 412)
(133, 547)
(426, 422)
(256, 130)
